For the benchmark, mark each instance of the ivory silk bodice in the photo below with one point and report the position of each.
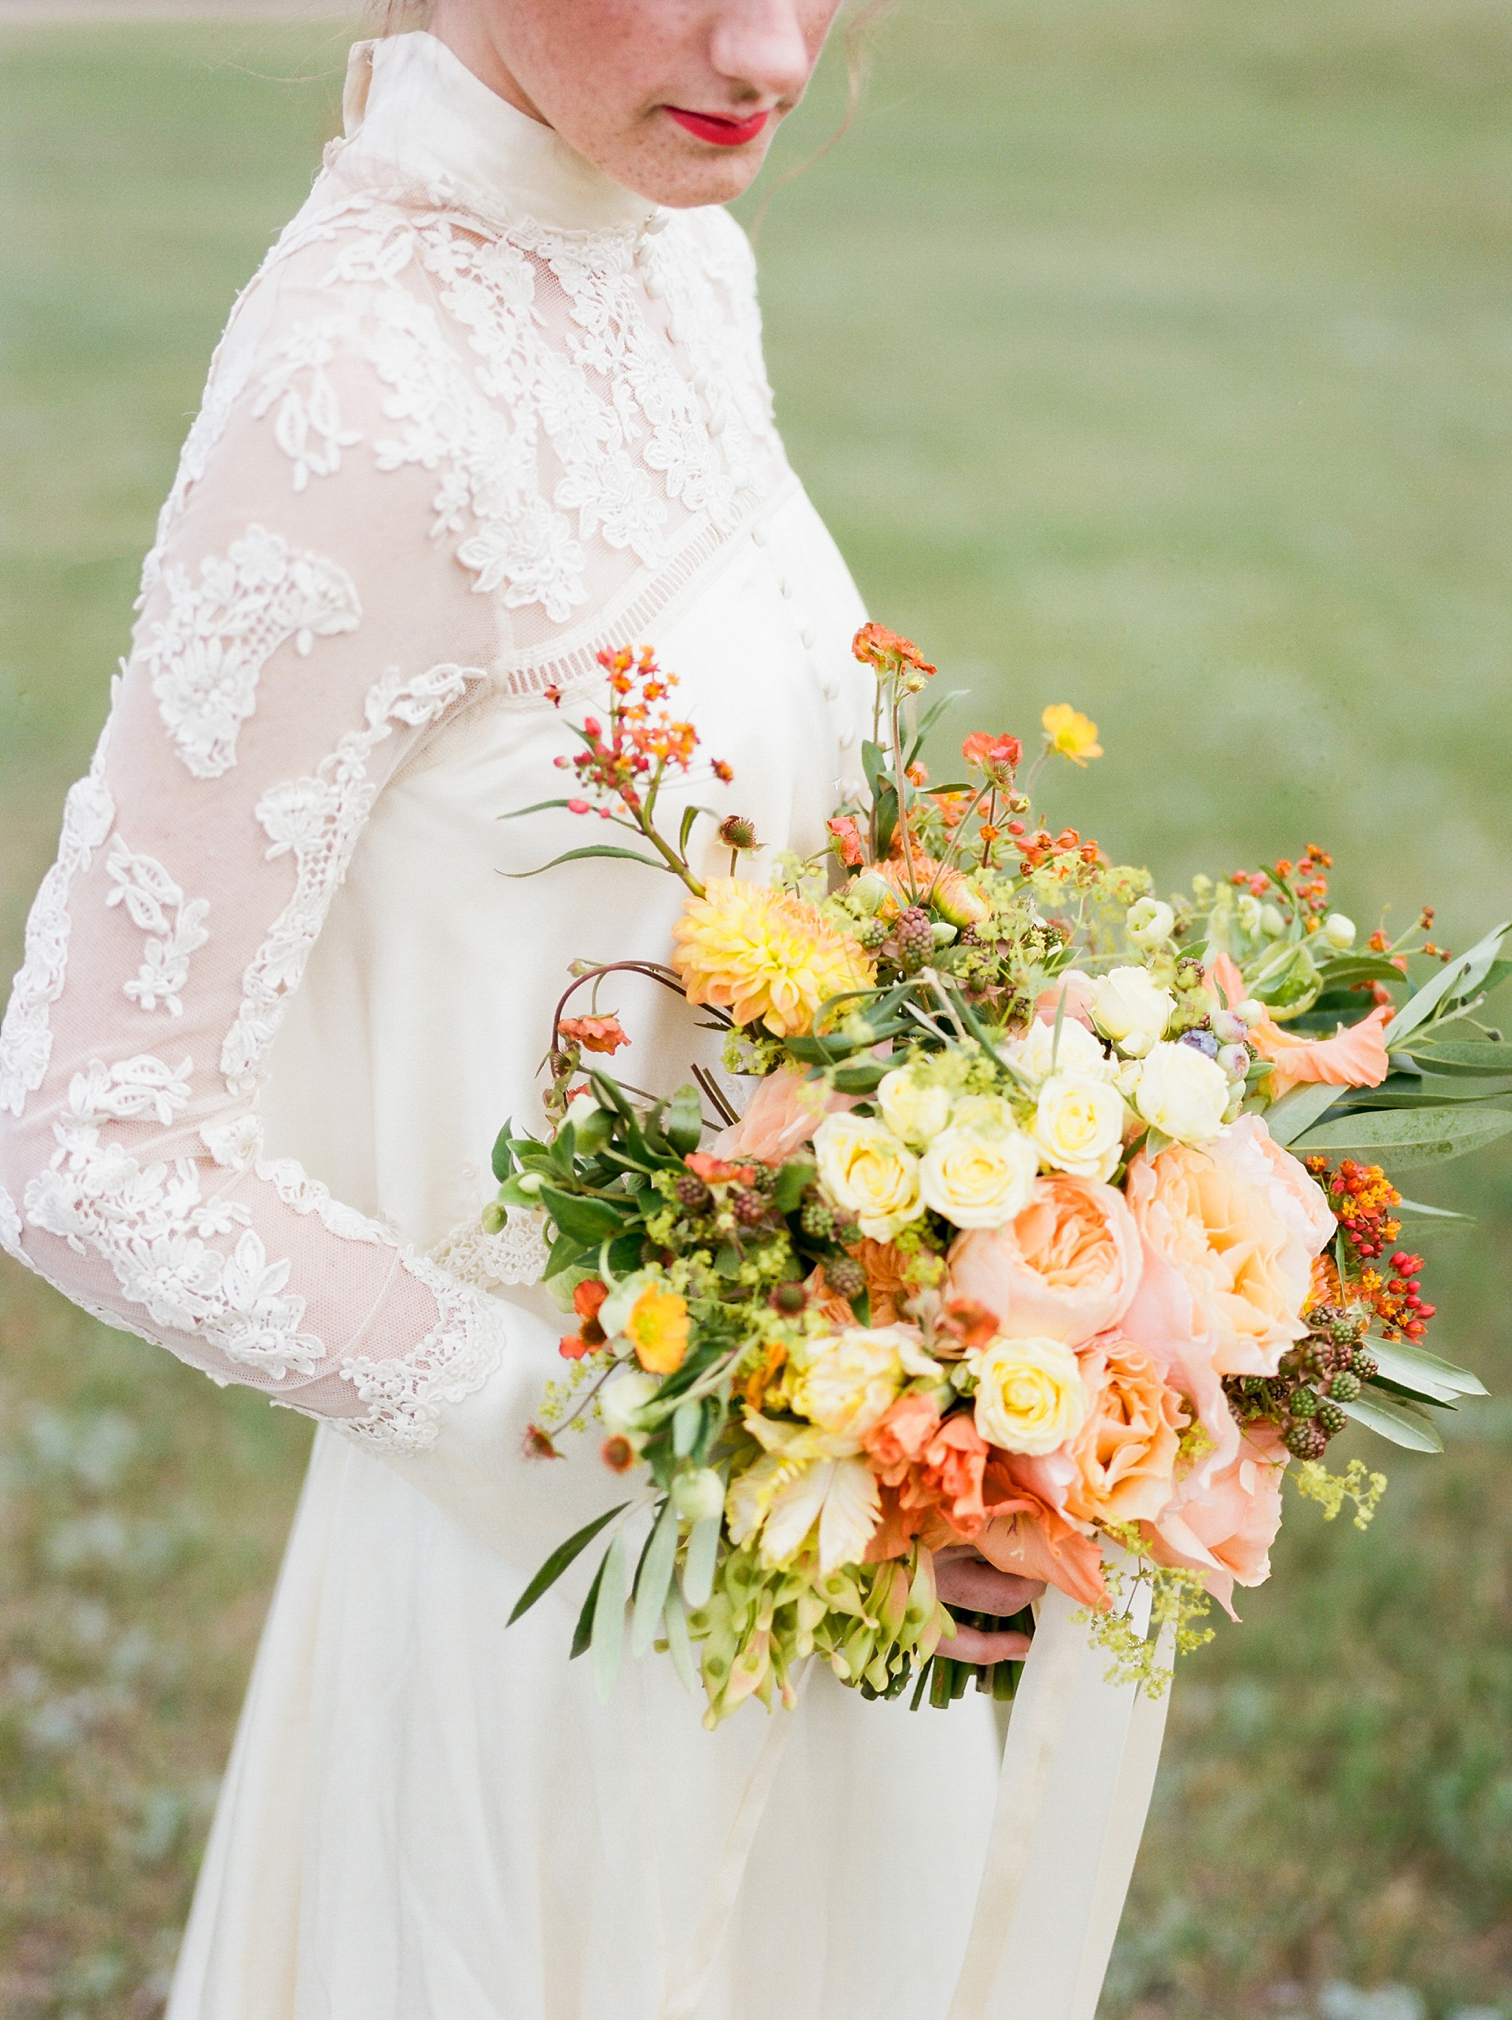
(481, 414)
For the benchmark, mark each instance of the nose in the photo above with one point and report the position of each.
(761, 44)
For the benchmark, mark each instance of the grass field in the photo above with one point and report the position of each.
(1154, 355)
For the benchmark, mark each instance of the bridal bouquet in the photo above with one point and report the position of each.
(1057, 1222)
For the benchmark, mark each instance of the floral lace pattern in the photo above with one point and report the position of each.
(517, 1254)
(25, 1035)
(175, 927)
(317, 820)
(206, 655)
(405, 1394)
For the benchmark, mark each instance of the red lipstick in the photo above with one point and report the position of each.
(720, 132)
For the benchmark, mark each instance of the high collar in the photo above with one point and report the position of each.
(411, 102)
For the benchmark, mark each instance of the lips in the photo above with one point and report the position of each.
(718, 131)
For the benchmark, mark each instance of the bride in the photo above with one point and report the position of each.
(495, 402)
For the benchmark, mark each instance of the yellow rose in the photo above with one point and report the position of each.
(1030, 1396)
(1078, 1125)
(867, 1172)
(912, 1109)
(977, 1179)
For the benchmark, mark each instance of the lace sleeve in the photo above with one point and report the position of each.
(301, 625)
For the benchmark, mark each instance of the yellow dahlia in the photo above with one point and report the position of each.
(761, 953)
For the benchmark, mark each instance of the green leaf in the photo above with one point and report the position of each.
(501, 1160)
(607, 1641)
(625, 1252)
(690, 815)
(887, 820)
(1297, 1110)
(558, 1562)
(540, 807)
(586, 1220)
(1399, 1422)
(687, 1421)
(873, 763)
(566, 1251)
(1416, 1208)
(581, 855)
(793, 1181)
(927, 722)
(655, 1578)
(679, 1647)
(698, 1565)
(608, 1093)
(1425, 1372)
(1458, 979)
(582, 1634)
(685, 1120)
(864, 1078)
(1481, 1056)
(1401, 1137)
(1348, 969)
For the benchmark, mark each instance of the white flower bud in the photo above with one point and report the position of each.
(1131, 1008)
(1149, 923)
(1228, 1027)
(870, 893)
(621, 1398)
(698, 1496)
(1248, 909)
(1338, 931)
(1250, 1011)
(1271, 922)
(1235, 1061)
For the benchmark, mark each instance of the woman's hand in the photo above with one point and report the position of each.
(964, 1578)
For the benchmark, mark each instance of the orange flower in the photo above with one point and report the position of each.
(589, 1337)
(594, 1034)
(617, 1453)
(847, 839)
(715, 1171)
(997, 756)
(950, 893)
(887, 1281)
(932, 1463)
(874, 645)
(1354, 1057)
(658, 1330)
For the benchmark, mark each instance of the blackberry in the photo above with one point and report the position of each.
(913, 936)
(1303, 1403)
(871, 933)
(1306, 1441)
(749, 1206)
(789, 1299)
(817, 1220)
(1331, 1420)
(1364, 1364)
(845, 1278)
(1345, 1388)
(693, 1194)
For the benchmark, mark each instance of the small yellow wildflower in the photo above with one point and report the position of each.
(658, 1330)
(761, 953)
(1070, 733)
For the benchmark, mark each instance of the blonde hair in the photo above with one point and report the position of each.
(393, 16)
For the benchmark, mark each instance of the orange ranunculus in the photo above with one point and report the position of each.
(780, 1117)
(1225, 1528)
(874, 645)
(933, 1463)
(847, 839)
(1119, 1466)
(1067, 1267)
(1354, 1057)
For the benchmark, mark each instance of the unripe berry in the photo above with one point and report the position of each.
(1345, 1388)
(693, 1193)
(1306, 1441)
(1331, 1420)
(1303, 1403)
(846, 1278)
(817, 1220)
(913, 936)
(750, 1208)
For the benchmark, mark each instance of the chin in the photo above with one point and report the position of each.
(685, 181)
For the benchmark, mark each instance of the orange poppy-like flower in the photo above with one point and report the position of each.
(657, 1328)
(997, 756)
(589, 1337)
(594, 1034)
(932, 1462)
(715, 1171)
(847, 840)
(874, 645)
(536, 1444)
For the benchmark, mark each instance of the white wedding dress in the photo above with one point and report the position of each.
(481, 414)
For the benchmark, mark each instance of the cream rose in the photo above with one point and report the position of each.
(1078, 1051)
(911, 1108)
(1131, 1008)
(1182, 1093)
(846, 1382)
(978, 1178)
(1030, 1396)
(867, 1172)
(1078, 1125)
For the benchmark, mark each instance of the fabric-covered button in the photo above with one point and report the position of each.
(832, 689)
(760, 534)
(807, 638)
(785, 586)
(847, 735)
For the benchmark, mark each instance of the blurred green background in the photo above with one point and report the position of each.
(1154, 355)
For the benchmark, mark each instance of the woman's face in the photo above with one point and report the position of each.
(675, 99)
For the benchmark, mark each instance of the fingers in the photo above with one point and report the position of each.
(971, 1583)
(971, 1644)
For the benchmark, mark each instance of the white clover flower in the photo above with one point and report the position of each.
(1182, 1093)
(1130, 1007)
(1150, 923)
(1078, 1125)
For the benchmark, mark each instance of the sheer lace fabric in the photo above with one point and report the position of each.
(447, 450)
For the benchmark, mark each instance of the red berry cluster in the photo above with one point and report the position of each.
(1362, 1197)
(1400, 1301)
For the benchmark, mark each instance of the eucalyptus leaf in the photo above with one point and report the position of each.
(1298, 1109)
(607, 1643)
(679, 1647)
(582, 1634)
(1401, 1137)
(655, 1577)
(1480, 1056)
(1412, 1366)
(1458, 979)
(1397, 1421)
(698, 1565)
(558, 1561)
